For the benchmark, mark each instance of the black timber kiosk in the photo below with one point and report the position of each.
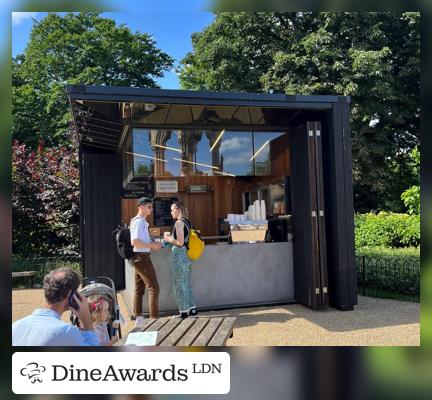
(267, 178)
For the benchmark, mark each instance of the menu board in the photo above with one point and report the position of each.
(162, 211)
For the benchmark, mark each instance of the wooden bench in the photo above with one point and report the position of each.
(25, 274)
(195, 331)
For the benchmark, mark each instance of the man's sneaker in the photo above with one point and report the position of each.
(181, 315)
(193, 312)
(139, 320)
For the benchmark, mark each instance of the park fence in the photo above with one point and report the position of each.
(389, 277)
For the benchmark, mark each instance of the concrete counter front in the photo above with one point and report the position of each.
(227, 275)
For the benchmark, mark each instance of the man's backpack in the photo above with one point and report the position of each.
(123, 242)
(195, 243)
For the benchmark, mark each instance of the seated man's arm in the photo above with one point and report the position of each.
(77, 337)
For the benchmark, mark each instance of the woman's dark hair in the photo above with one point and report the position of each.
(58, 283)
(182, 208)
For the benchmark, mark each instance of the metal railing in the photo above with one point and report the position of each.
(42, 265)
(389, 277)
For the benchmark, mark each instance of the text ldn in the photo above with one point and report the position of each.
(111, 373)
(204, 368)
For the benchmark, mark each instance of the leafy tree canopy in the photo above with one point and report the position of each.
(77, 48)
(372, 57)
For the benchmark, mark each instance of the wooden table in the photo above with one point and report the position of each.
(192, 331)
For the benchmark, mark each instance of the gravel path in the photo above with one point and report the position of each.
(374, 322)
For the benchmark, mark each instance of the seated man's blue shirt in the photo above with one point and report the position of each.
(45, 328)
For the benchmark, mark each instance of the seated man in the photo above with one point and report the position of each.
(45, 328)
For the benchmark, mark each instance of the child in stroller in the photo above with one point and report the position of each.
(104, 309)
(100, 313)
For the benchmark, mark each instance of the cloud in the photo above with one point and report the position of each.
(19, 17)
(235, 143)
(239, 159)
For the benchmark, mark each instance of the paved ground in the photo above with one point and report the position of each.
(374, 322)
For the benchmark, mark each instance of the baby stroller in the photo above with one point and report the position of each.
(102, 286)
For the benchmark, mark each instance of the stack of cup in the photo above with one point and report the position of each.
(237, 218)
(258, 210)
(263, 210)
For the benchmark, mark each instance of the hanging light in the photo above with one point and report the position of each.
(260, 149)
(144, 156)
(217, 140)
(191, 162)
(168, 148)
(223, 173)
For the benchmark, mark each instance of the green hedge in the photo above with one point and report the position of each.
(390, 253)
(389, 273)
(387, 229)
(42, 266)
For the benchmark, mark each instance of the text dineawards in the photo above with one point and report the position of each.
(113, 374)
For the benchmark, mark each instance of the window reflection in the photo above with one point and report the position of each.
(192, 152)
(199, 115)
(235, 151)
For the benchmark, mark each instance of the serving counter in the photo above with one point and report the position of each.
(227, 276)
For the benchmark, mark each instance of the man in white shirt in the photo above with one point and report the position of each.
(145, 275)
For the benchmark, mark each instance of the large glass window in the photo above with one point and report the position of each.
(221, 152)
(211, 115)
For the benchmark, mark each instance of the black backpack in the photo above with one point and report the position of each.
(123, 242)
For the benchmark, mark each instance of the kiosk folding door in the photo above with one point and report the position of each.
(308, 215)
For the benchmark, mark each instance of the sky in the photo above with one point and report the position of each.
(172, 30)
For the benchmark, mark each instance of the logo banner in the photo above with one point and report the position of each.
(121, 373)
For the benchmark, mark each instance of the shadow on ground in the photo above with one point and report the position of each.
(368, 314)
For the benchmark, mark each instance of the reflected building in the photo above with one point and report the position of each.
(188, 141)
(158, 142)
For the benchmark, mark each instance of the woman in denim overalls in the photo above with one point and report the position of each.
(181, 263)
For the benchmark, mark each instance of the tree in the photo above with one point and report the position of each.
(45, 200)
(411, 196)
(78, 48)
(372, 57)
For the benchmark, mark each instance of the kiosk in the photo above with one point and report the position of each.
(265, 177)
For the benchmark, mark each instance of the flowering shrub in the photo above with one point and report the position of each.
(45, 201)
